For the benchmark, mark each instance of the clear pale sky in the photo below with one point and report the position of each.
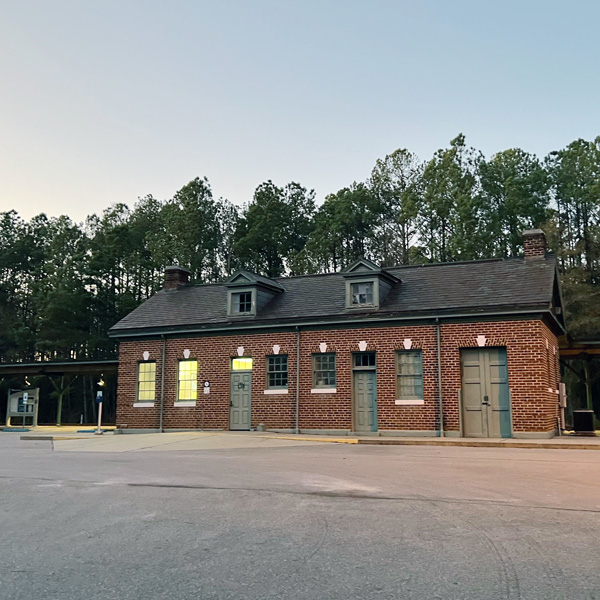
(105, 101)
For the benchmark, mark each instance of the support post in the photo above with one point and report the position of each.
(588, 384)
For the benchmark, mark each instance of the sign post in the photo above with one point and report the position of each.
(99, 401)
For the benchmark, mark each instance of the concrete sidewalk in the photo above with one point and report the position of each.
(71, 438)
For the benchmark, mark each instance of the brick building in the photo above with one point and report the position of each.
(459, 349)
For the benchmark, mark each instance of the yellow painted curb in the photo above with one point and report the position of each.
(312, 439)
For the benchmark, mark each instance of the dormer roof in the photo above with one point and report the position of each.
(364, 267)
(244, 278)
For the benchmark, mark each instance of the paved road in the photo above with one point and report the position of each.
(298, 520)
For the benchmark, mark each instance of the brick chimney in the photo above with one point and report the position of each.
(175, 277)
(534, 244)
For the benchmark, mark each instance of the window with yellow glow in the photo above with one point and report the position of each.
(244, 363)
(187, 380)
(146, 381)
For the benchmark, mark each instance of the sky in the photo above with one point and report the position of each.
(108, 101)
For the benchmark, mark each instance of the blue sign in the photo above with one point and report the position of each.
(99, 396)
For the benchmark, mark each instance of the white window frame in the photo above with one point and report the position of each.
(325, 387)
(277, 388)
(186, 401)
(416, 399)
(144, 402)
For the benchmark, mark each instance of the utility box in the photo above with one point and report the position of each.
(23, 407)
(583, 422)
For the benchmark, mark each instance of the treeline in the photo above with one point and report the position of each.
(63, 284)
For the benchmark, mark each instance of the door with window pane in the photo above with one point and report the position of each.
(240, 394)
(365, 392)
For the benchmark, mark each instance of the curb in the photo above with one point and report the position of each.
(52, 438)
(313, 439)
(474, 444)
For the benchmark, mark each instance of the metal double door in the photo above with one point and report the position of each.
(486, 410)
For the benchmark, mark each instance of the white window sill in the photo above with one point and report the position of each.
(282, 391)
(415, 402)
(143, 404)
(185, 403)
(323, 391)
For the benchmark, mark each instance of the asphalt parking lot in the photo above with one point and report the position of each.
(242, 517)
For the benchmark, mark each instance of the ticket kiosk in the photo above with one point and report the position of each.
(22, 407)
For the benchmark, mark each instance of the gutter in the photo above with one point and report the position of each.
(439, 369)
(345, 322)
(297, 379)
(162, 384)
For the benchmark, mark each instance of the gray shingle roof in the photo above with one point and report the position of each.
(459, 288)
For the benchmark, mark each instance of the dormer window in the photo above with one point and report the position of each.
(248, 293)
(367, 285)
(362, 293)
(242, 303)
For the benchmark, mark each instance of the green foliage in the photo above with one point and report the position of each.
(191, 219)
(274, 229)
(575, 177)
(63, 285)
(397, 182)
(515, 192)
(450, 210)
(344, 228)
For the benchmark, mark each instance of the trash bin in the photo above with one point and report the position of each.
(583, 422)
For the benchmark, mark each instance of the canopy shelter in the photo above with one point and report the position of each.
(76, 367)
(61, 374)
(585, 351)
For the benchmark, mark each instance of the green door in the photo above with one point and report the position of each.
(239, 405)
(485, 394)
(365, 401)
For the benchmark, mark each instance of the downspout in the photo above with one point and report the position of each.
(162, 383)
(297, 379)
(439, 366)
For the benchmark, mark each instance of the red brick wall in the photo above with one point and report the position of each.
(533, 408)
(532, 371)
